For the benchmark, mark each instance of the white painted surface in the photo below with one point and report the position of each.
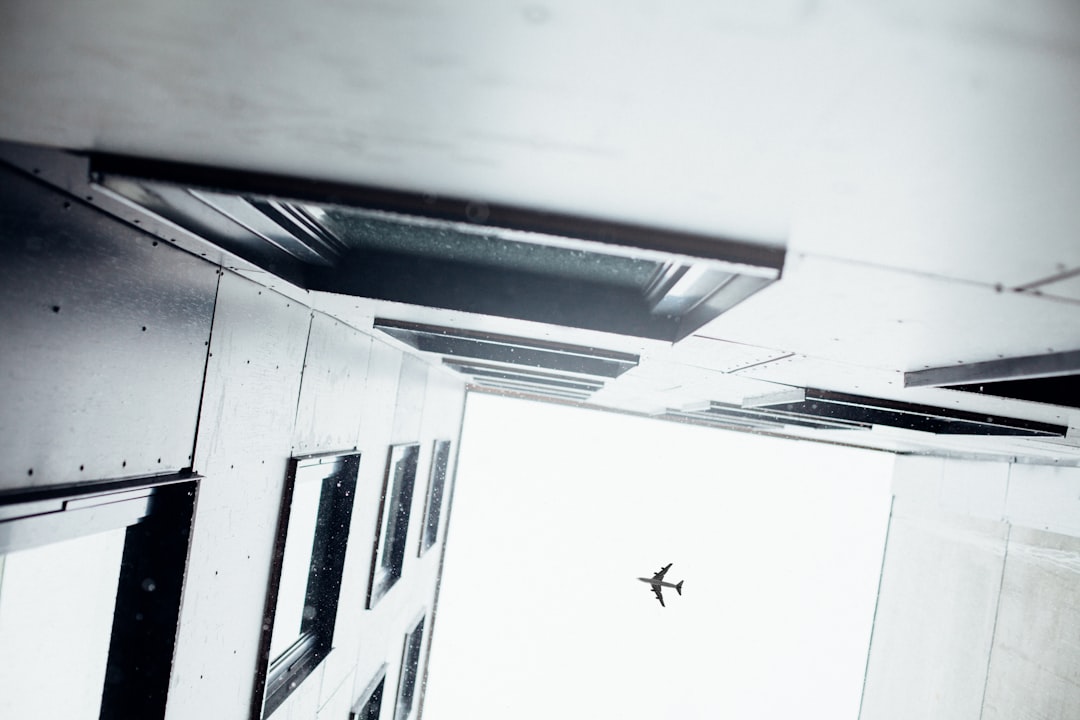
(935, 616)
(249, 404)
(1045, 498)
(303, 704)
(340, 702)
(257, 353)
(332, 390)
(1068, 289)
(381, 390)
(903, 132)
(409, 403)
(886, 318)
(978, 489)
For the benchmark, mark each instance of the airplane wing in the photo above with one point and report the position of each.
(659, 595)
(660, 574)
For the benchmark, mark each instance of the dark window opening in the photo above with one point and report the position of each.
(1063, 390)
(396, 506)
(827, 410)
(440, 461)
(410, 670)
(309, 558)
(515, 364)
(455, 254)
(527, 390)
(369, 705)
(494, 373)
(1052, 378)
(90, 580)
(462, 344)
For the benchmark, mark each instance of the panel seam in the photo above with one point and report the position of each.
(877, 603)
(997, 611)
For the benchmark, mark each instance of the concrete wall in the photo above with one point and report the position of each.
(977, 614)
(124, 356)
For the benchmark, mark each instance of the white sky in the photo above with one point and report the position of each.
(556, 512)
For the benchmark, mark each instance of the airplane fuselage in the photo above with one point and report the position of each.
(661, 583)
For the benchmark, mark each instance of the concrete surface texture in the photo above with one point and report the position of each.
(977, 614)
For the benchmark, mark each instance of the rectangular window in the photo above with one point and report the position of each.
(436, 483)
(369, 705)
(515, 364)
(90, 583)
(397, 494)
(453, 253)
(508, 351)
(828, 410)
(410, 670)
(313, 530)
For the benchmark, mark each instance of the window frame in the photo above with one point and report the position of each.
(409, 675)
(698, 276)
(363, 708)
(156, 511)
(514, 364)
(279, 676)
(830, 410)
(438, 471)
(384, 575)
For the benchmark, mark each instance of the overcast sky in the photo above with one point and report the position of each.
(556, 512)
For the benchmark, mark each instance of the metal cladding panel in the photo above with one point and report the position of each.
(380, 394)
(705, 351)
(252, 376)
(332, 389)
(105, 335)
(244, 442)
(444, 398)
(409, 407)
(882, 318)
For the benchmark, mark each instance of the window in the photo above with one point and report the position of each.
(90, 583)
(369, 704)
(508, 350)
(452, 253)
(1063, 390)
(515, 364)
(410, 666)
(825, 410)
(394, 514)
(436, 483)
(313, 530)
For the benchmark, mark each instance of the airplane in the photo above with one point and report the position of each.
(657, 582)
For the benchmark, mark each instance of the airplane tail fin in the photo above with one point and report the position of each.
(678, 588)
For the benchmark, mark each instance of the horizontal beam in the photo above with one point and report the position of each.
(1017, 368)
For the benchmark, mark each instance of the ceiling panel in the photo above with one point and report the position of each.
(905, 132)
(894, 320)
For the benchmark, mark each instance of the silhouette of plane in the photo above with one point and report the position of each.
(657, 582)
